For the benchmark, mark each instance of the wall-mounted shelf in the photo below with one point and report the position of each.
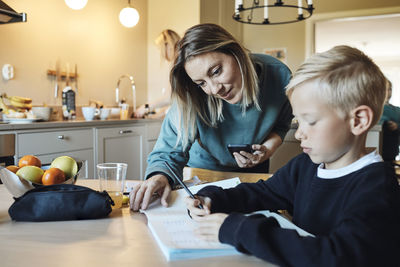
(62, 74)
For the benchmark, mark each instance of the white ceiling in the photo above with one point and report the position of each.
(377, 36)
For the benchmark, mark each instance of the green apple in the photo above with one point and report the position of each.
(31, 173)
(67, 164)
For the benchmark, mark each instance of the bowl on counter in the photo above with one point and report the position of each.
(42, 113)
(115, 113)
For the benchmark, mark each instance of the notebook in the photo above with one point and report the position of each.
(172, 228)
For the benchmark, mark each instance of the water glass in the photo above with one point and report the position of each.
(112, 179)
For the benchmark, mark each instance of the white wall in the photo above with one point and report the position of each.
(177, 15)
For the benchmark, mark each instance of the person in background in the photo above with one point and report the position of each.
(166, 42)
(337, 190)
(221, 95)
(390, 121)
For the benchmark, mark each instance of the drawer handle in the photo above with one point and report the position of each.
(61, 137)
(125, 131)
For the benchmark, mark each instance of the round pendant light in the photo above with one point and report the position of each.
(76, 4)
(129, 17)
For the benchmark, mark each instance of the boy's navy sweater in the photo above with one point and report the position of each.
(355, 218)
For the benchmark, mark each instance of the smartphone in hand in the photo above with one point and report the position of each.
(237, 148)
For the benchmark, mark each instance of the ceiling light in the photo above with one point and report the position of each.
(129, 16)
(246, 14)
(76, 4)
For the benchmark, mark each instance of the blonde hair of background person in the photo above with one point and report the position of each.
(356, 83)
(166, 42)
(194, 105)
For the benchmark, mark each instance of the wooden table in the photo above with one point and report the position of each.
(212, 176)
(122, 239)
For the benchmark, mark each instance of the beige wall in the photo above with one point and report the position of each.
(177, 15)
(220, 12)
(93, 38)
(292, 36)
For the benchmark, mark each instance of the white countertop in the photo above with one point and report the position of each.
(72, 123)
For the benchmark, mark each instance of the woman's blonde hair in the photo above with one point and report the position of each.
(347, 78)
(167, 40)
(191, 101)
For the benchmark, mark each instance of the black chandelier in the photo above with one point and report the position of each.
(241, 11)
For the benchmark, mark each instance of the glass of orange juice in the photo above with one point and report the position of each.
(123, 115)
(112, 179)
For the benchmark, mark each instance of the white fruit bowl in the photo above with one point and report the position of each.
(18, 186)
(42, 113)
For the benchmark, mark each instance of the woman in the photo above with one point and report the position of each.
(166, 42)
(221, 95)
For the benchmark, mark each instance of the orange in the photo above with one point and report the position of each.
(53, 176)
(12, 168)
(29, 160)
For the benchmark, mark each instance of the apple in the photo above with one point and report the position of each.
(31, 173)
(67, 164)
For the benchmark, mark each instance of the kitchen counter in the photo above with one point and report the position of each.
(71, 123)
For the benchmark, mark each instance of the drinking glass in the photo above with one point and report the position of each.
(112, 179)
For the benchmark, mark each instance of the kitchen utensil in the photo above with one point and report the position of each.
(76, 78)
(58, 75)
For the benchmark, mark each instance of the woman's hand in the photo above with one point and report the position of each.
(142, 193)
(208, 226)
(248, 160)
(261, 152)
(193, 206)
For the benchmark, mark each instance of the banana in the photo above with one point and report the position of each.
(20, 99)
(3, 106)
(17, 99)
(20, 105)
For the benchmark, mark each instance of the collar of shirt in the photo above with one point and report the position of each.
(355, 166)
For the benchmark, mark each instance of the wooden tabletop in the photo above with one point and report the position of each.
(213, 176)
(122, 239)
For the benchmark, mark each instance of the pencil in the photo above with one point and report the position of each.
(176, 178)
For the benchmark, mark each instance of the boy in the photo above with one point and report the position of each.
(336, 190)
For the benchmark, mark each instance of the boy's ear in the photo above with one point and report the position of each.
(361, 119)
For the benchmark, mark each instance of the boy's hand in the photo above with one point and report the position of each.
(193, 206)
(208, 226)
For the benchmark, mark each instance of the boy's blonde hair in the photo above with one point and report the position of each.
(347, 78)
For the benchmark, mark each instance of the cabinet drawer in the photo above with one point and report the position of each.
(54, 142)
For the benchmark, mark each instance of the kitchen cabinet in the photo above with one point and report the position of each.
(49, 144)
(124, 143)
(153, 131)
